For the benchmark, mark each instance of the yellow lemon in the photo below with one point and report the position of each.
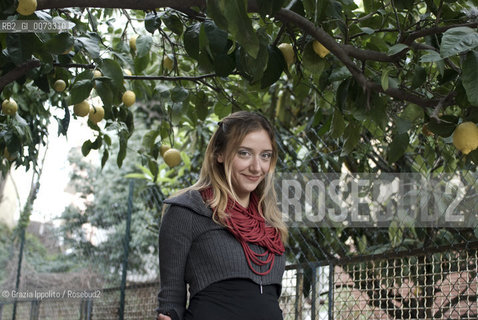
(129, 98)
(96, 114)
(465, 137)
(26, 7)
(59, 85)
(81, 109)
(97, 73)
(288, 52)
(320, 49)
(168, 63)
(163, 149)
(132, 42)
(9, 107)
(172, 157)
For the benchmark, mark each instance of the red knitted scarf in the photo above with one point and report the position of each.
(248, 226)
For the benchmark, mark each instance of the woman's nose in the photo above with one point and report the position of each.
(255, 164)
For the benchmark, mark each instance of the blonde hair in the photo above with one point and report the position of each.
(228, 136)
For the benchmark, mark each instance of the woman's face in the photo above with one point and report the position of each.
(250, 164)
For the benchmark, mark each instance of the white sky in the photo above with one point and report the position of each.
(52, 198)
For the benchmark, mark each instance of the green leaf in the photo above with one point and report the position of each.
(217, 38)
(458, 40)
(201, 102)
(419, 77)
(338, 124)
(173, 22)
(340, 74)
(368, 30)
(111, 69)
(275, 66)
(91, 43)
(395, 234)
(215, 10)
(105, 90)
(473, 155)
(140, 63)
(352, 138)
(312, 61)
(470, 77)
(143, 45)
(80, 90)
(179, 94)
(135, 176)
(153, 167)
(222, 110)
(107, 139)
(384, 79)
(123, 143)
(232, 15)
(402, 125)
(86, 148)
(342, 93)
(269, 7)
(430, 56)
(20, 46)
(396, 49)
(445, 127)
(253, 67)
(152, 22)
(412, 113)
(224, 65)
(42, 83)
(59, 43)
(104, 158)
(97, 143)
(149, 138)
(397, 147)
(191, 40)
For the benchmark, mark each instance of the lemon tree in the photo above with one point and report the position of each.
(327, 64)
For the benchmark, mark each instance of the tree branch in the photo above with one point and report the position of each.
(124, 4)
(329, 42)
(427, 32)
(167, 78)
(344, 53)
(18, 72)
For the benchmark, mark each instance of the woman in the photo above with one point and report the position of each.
(224, 236)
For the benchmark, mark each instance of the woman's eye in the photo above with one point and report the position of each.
(267, 155)
(243, 153)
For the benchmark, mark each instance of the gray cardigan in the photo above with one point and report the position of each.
(195, 250)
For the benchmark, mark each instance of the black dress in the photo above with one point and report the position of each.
(235, 299)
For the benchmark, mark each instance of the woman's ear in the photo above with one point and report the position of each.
(220, 158)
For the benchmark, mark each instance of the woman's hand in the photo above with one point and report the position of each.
(163, 317)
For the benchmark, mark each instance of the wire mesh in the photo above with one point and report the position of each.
(441, 285)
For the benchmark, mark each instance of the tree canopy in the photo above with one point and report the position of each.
(400, 75)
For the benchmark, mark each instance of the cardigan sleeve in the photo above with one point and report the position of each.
(175, 240)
